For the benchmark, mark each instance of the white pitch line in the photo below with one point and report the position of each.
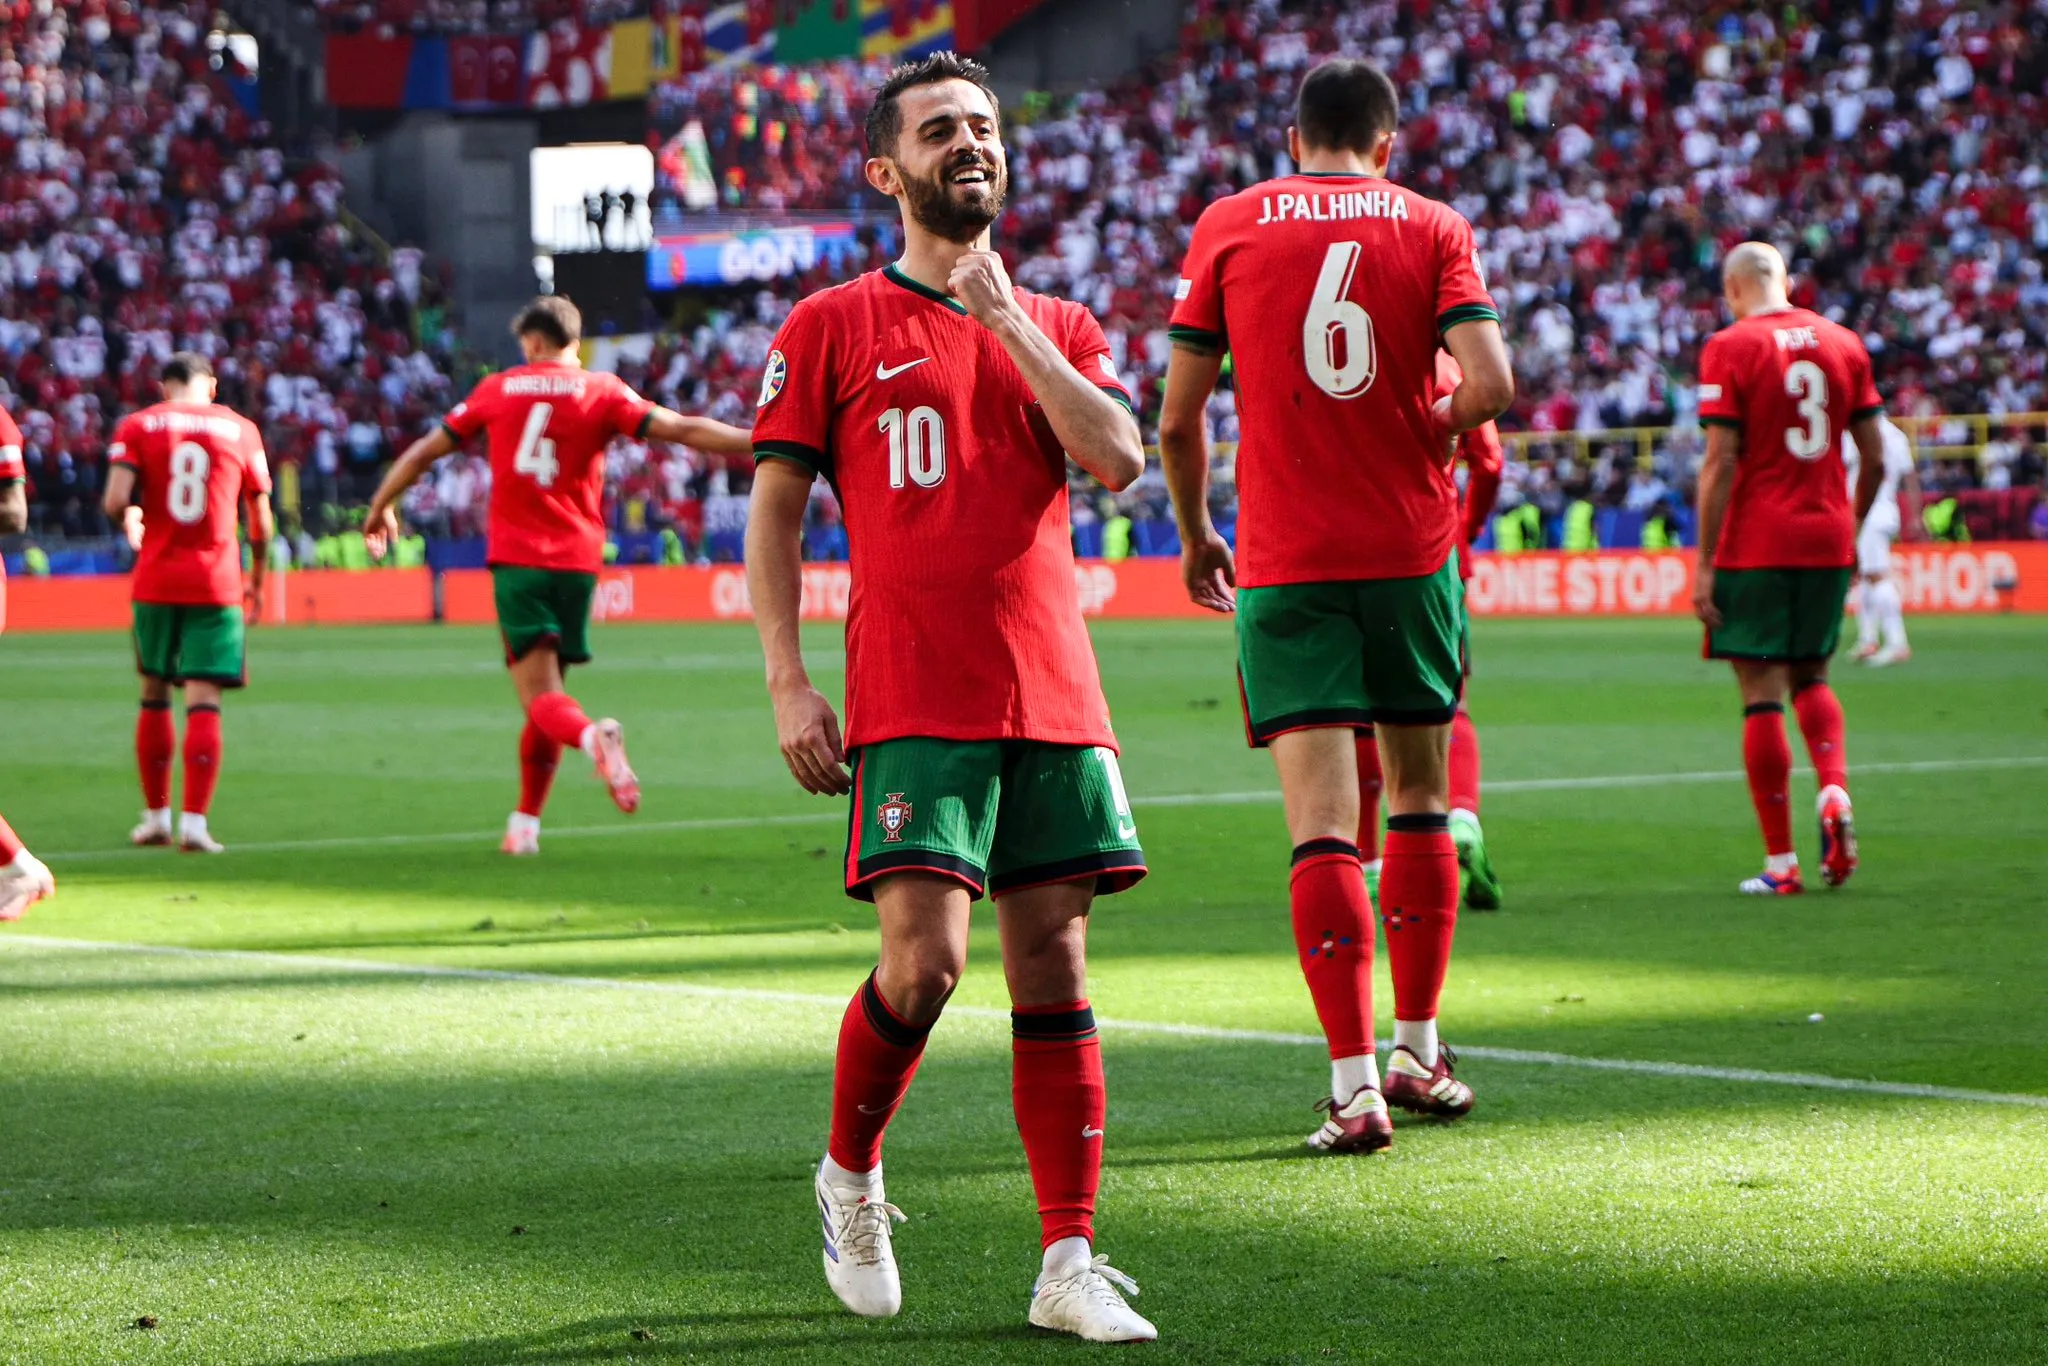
(838, 817)
(1521, 1056)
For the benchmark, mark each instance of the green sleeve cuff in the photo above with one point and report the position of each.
(1123, 399)
(810, 457)
(1732, 423)
(1466, 313)
(646, 421)
(457, 437)
(1199, 339)
(1876, 410)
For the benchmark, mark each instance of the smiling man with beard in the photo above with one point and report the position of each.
(943, 403)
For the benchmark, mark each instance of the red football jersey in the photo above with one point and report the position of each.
(11, 469)
(1484, 458)
(1331, 294)
(1791, 382)
(965, 622)
(195, 464)
(549, 425)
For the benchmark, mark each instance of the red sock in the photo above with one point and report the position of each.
(202, 756)
(1767, 756)
(1056, 1086)
(156, 742)
(1820, 721)
(1464, 763)
(1419, 906)
(1369, 784)
(10, 844)
(878, 1055)
(1333, 934)
(538, 758)
(557, 716)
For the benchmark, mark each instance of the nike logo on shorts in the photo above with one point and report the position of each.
(886, 372)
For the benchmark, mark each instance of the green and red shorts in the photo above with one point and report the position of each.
(1778, 616)
(543, 607)
(999, 816)
(191, 643)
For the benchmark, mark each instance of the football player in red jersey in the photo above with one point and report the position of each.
(1339, 287)
(179, 475)
(1481, 451)
(942, 402)
(548, 423)
(1778, 540)
(24, 880)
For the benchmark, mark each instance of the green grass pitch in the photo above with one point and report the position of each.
(281, 1155)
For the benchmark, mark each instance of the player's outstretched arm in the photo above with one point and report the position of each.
(262, 531)
(701, 433)
(1097, 431)
(380, 523)
(1868, 434)
(1717, 482)
(119, 504)
(806, 727)
(1488, 386)
(1206, 564)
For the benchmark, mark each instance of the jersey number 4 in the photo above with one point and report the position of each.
(917, 446)
(536, 454)
(1808, 383)
(1336, 333)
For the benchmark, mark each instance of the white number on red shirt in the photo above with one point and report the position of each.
(190, 464)
(917, 446)
(536, 454)
(1807, 382)
(1336, 334)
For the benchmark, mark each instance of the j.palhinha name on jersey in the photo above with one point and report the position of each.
(1331, 207)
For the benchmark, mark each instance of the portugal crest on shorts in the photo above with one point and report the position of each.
(894, 814)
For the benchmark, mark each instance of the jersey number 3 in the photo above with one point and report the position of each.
(917, 446)
(1336, 333)
(1808, 383)
(536, 454)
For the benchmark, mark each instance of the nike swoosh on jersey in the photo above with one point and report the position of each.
(885, 372)
(1088, 1131)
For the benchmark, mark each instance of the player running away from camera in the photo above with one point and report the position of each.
(1880, 610)
(547, 424)
(24, 880)
(942, 403)
(180, 474)
(1479, 885)
(1338, 287)
(1778, 540)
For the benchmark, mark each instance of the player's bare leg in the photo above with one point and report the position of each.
(1419, 907)
(156, 747)
(24, 880)
(923, 920)
(1333, 931)
(203, 751)
(1822, 725)
(1767, 760)
(537, 678)
(1057, 1090)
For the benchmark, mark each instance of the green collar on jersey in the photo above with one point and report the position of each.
(895, 276)
(1337, 175)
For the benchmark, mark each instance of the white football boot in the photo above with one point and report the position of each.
(860, 1263)
(1079, 1296)
(154, 830)
(193, 837)
(522, 834)
(23, 883)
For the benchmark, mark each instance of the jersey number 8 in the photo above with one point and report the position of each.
(917, 446)
(536, 454)
(190, 464)
(1336, 334)
(1808, 383)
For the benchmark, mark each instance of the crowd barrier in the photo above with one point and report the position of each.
(1988, 577)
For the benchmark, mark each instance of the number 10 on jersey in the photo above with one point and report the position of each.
(917, 446)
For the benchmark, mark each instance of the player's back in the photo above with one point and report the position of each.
(1332, 293)
(1791, 382)
(194, 464)
(548, 425)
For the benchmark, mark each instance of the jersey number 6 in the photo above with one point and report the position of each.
(1336, 335)
(917, 446)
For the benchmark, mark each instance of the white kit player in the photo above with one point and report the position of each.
(1880, 609)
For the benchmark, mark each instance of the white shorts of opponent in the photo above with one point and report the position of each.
(1874, 542)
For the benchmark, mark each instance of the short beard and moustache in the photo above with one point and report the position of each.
(958, 218)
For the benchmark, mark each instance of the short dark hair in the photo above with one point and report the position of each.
(553, 318)
(1345, 105)
(885, 120)
(185, 366)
